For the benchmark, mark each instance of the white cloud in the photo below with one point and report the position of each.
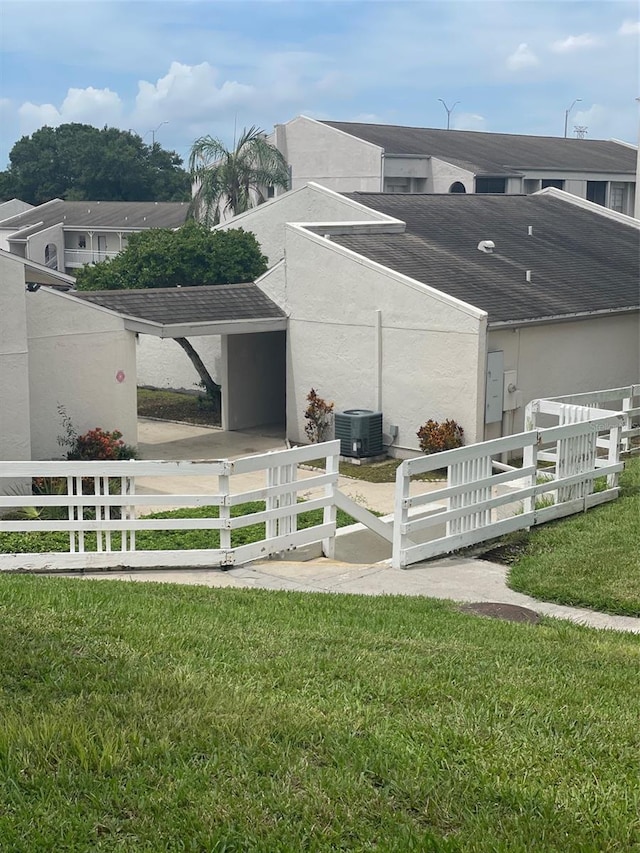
(88, 106)
(629, 28)
(572, 43)
(469, 121)
(597, 120)
(522, 57)
(188, 93)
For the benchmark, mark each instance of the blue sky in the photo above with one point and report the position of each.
(185, 69)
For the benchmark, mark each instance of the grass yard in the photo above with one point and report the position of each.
(588, 560)
(148, 717)
(175, 406)
(377, 472)
(166, 540)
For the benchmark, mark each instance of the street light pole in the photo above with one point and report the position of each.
(449, 111)
(566, 115)
(154, 131)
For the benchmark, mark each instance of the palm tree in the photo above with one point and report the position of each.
(232, 181)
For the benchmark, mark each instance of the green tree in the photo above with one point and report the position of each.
(233, 180)
(190, 256)
(78, 161)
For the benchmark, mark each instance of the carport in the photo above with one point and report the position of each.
(252, 329)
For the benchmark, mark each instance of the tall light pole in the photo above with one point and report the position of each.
(154, 131)
(449, 111)
(636, 206)
(566, 115)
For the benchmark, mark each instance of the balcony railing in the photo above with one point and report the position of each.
(80, 257)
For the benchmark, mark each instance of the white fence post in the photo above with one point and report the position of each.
(627, 405)
(400, 517)
(613, 456)
(332, 466)
(224, 512)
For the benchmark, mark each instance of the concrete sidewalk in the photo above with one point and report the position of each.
(459, 579)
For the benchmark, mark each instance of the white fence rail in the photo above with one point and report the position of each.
(567, 467)
(625, 399)
(101, 504)
(481, 505)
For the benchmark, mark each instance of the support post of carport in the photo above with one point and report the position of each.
(224, 381)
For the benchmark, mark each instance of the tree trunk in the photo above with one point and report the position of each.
(212, 388)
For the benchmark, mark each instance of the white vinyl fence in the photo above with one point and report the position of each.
(625, 399)
(570, 462)
(101, 504)
(565, 469)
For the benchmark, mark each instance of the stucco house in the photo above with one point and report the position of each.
(442, 306)
(417, 306)
(55, 350)
(351, 156)
(65, 235)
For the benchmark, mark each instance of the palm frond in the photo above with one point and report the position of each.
(232, 180)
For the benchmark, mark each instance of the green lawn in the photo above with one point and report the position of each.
(591, 559)
(377, 472)
(145, 717)
(176, 406)
(166, 540)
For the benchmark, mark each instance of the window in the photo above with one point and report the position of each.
(597, 192)
(617, 197)
(82, 242)
(552, 182)
(397, 185)
(491, 185)
(271, 191)
(457, 187)
(51, 256)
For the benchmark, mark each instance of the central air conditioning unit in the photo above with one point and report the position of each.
(360, 432)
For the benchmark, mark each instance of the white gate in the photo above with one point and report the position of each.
(101, 502)
(581, 456)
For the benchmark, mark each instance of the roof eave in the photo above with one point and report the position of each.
(211, 327)
(561, 318)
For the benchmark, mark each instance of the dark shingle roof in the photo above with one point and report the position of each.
(176, 305)
(77, 215)
(497, 153)
(580, 261)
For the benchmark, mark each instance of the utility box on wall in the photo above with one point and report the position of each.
(495, 387)
(360, 432)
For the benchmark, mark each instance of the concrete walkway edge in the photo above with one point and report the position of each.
(452, 578)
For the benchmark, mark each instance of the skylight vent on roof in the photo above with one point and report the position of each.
(486, 246)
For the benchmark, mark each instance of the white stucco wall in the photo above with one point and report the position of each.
(15, 435)
(443, 174)
(568, 358)
(432, 348)
(37, 243)
(162, 363)
(406, 167)
(77, 354)
(317, 152)
(307, 204)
